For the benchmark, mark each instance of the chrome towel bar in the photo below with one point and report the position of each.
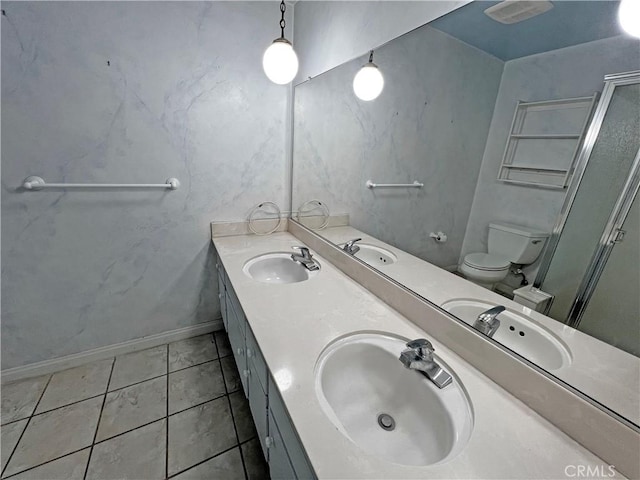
(415, 184)
(38, 183)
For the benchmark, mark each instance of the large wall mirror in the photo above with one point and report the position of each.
(497, 173)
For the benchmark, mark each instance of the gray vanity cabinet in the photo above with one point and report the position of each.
(280, 444)
(250, 364)
(289, 437)
(236, 338)
(222, 293)
(279, 465)
(258, 388)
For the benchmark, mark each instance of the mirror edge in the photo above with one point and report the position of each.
(515, 355)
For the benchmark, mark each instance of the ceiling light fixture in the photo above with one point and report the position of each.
(280, 61)
(368, 82)
(629, 17)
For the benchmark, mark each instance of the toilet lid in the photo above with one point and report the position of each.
(486, 261)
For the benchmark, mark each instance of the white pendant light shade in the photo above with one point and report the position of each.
(280, 62)
(368, 82)
(629, 17)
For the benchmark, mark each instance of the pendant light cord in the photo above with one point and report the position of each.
(371, 56)
(283, 7)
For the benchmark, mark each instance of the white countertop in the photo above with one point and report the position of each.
(293, 323)
(605, 373)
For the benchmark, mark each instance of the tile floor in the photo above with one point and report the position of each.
(173, 411)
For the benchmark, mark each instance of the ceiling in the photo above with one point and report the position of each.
(567, 23)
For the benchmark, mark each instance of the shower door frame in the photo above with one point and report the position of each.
(618, 215)
(611, 236)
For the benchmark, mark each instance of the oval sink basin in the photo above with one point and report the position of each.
(277, 267)
(374, 256)
(518, 333)
(387, 410)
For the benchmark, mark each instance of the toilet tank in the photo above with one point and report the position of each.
(520, 245)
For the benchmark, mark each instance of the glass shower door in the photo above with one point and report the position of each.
(591, 270)
(602, 183)
(612, 314)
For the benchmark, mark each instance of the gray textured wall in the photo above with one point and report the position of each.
(183, 95)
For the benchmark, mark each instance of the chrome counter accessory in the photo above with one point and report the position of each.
(419, 356)
(487, 322)
(305, 258)
(350, 247)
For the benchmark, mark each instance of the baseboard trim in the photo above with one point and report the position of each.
(69, 361)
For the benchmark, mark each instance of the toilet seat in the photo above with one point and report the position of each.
(485, 269)
(486, 262)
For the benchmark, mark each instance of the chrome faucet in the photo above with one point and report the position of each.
(305, 258)
(350, 247)
(419, 356)
(487, 322)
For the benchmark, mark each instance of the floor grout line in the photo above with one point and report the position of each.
(129, 431)
(164, 374)
(68, 404)
(250, 439)
(233, 418)
(166, 417)
(112, 391)
(98, 443)
(195, 365)
(26, 425)
(90, 398)
(44, 463)
(197, 405)
(95, 434)
(225, 394)
(205, 460)
(136, 383)
(16, 420)
(33, 377)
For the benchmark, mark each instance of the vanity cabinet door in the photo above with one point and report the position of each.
(223, 310)
(235, 303)
(228, 309)
(279, 464)
(222, 294)
(238, 347)
(258, 406)
(295, 450)
(256, 360)
(222, 297)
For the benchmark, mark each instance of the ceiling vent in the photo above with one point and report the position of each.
(514, 11)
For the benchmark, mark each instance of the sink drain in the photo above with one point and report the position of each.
(386, 422)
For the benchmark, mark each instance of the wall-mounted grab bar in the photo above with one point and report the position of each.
(37, 183)
(415, 184)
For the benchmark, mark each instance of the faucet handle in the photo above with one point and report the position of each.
(490, 315)
(420, 342)
(304, 251)
(350, 247)
(487, 322)
(422, 346)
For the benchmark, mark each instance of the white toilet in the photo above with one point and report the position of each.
(508, 244)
